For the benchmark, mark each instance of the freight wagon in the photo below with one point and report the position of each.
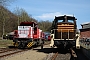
(64, 32)
(28, 35)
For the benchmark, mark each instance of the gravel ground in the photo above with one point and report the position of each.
(29, 55)
(49, 56)
(63, 57)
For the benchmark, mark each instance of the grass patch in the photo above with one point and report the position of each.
(5, 43)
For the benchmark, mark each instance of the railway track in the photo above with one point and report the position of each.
(54, 56)
(73, 54)
(4, 52)
(7, 52)
(65, 56)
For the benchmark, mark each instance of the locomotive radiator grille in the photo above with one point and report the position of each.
(64, 33)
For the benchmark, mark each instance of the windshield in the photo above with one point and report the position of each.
(71, 21)
(60, 21)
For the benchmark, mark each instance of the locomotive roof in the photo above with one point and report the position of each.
(28, 23)
(63, 17)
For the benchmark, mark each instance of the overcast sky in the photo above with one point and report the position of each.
(48, 9)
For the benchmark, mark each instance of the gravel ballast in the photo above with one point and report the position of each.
(28, 55)
(32, 54)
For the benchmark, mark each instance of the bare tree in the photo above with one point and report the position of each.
(22, 15)
(3, 17)
(5, 2)
(45, 25)
(7, 21)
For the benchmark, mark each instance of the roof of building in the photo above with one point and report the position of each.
(85, 23)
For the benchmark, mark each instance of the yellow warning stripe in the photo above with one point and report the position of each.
(15, 44)
(30, 44)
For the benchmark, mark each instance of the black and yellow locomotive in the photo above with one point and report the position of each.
(63, 32)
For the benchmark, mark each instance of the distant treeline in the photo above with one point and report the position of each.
(10, 20)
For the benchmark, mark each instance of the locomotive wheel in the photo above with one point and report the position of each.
(21, 45)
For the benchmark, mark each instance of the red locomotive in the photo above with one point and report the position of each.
(27, 35)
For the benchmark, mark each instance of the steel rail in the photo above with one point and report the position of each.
(12, 52)
(54, 56)
(6, 50)
(73, 54)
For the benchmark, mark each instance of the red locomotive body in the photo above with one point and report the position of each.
(27, 35)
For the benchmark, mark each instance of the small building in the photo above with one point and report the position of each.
(85, 25)
(85, 31)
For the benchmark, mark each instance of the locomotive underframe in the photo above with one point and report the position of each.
(22, 42)
(65, 43)
(27, 42)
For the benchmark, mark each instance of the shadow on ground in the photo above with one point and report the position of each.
(54, 50)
